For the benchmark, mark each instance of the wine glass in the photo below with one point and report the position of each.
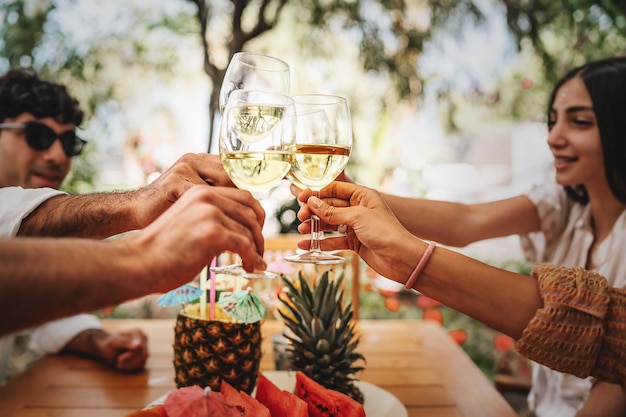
(322, 149)
(256, 142)
(252, 71)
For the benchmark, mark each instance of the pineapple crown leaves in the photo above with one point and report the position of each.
(319, 308)
(319, 322)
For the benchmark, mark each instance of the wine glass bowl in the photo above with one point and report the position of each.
(253, 71)
(256, 142)
(321, 151)
(256, 139)
(251, 123)
(243, 130)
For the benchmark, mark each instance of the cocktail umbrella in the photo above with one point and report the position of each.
(194, 401)
(180, 295)
(242, 305)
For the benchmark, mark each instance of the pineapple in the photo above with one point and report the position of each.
(322, 337)
(207, 351)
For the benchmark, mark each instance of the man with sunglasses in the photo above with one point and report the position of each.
(37, 142)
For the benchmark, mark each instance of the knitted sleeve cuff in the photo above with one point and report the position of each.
(566, 334)
(611, 363)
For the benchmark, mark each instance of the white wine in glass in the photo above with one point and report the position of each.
(252, 71)
(256, 147)
(252, 123)
(318, 165)
(321, 151)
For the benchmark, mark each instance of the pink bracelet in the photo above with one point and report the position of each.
(420, 266)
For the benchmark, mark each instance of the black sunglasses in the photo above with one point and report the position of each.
(40, 137)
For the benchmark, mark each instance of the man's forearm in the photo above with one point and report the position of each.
(97, 215)
(80, 275)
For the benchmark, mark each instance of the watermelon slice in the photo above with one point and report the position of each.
(156, 411)
(281, 403)
(195, 401)
(324, 402)
(247, 405)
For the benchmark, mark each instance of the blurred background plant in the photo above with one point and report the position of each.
(139, 66)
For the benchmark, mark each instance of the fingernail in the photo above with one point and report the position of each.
(315, 202)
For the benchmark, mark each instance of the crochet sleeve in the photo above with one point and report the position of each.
(581, 328)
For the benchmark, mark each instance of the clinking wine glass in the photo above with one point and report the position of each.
(256, 147)
(252, 71)
(321, 152)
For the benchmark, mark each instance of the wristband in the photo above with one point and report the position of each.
(420, 266)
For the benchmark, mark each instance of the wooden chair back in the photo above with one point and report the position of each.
(278, 247)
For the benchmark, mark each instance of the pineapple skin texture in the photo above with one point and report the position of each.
(209, 351)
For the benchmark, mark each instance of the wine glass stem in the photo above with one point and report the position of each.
(315, 230)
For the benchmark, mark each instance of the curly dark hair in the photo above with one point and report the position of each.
(22, 91)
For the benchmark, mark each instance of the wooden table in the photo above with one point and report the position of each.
(414, 360)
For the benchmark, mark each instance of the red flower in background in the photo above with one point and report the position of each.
(392, 303)
(503, 342)
(433, 314)
(425, 303)
(459, 336)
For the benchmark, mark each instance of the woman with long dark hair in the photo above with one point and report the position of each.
(579, 220)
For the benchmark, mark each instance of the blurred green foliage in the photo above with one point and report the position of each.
(391, 36)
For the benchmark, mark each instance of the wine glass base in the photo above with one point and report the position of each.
(225, 269)
(237, 270)
(315, 257)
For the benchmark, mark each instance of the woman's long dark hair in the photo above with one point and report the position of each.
(605, 81)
